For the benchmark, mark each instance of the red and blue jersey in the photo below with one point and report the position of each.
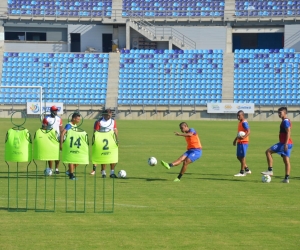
(286, 123)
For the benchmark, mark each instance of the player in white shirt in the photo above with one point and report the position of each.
(105, 124)
(53, 121)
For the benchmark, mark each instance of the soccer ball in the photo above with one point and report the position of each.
(266, 178)
(122, 174)
(241, 134)
(152, 161)
(48, 172)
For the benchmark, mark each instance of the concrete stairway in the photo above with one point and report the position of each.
(1, 62)
(116, 13)
(113, 80)
(161, 33)
(229, 9)
(228, 67)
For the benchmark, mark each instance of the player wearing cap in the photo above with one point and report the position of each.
(53, 121)
(105, 124)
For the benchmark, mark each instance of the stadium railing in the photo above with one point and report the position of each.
(163, 31)
(271, 109)
(32, 12)
(151, 15)
(267, 13)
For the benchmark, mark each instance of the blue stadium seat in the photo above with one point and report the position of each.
(52, 78)
(269, 74)
(169, 74)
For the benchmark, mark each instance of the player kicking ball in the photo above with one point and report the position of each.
(241, 143)
(283, 147)
(193, 153)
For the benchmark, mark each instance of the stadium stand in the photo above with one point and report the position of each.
(65, 77)
(60, 8)
(267, 76)
(173, 8)
(170, 77)
(266, 8)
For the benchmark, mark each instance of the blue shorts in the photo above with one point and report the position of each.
(279, 149)
(241, 150)
(193, 154)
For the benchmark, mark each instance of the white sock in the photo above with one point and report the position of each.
(56, 169)
(112, 171)
(103, 172)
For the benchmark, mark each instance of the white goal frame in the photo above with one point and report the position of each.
(29, 87)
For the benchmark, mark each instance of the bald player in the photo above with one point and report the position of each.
(193, 153)
(241, 144)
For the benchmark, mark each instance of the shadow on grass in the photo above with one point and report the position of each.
(146, 179)
(16, 209)
(295, 178)
(175, 173)
(223, 179)
(31, 175)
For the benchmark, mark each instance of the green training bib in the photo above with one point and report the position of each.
(45, 145)
(76, 147)
(18, 146)
(105, 148)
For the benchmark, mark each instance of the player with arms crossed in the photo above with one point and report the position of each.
(105, 124)
(242, 143)
(71, 125)
(53, 121)
(283, 147)
(193, 153)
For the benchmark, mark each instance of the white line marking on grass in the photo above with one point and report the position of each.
(162, 206)
(130, 205)
(87, 202)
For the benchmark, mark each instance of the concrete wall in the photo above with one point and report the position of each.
(292, 36)
(1, 36)
(205, 37)
(162, 45)
(200, 115)
(134, 34)
(91, 35)
(122, 36)
(91, 112)
(52, 34)
(88, 112)
(36, 46)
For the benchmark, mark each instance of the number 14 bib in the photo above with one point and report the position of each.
(76, 147)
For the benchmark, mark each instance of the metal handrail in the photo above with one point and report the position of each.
(163, 31)
(153, 14)
(171, 14)
(202, 102)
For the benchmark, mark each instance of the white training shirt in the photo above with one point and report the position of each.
(105, 125)
(53, 122)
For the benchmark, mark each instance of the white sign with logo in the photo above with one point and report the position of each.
(33, 108)
(222, 108)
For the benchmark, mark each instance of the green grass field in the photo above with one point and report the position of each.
(208, 209)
